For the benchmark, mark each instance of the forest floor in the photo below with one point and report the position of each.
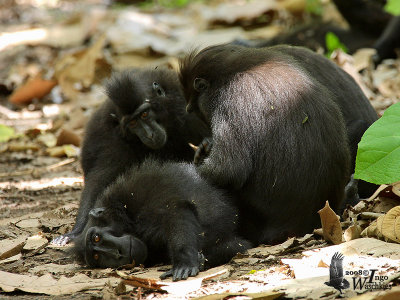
(41, 178)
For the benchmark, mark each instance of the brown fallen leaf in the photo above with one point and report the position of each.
(352, 233)
(68, 137)
(28, 223)
(371, 230)
(387, 226)
(273, 250)
(11, 259)
(331, 228)
(396, 188)
(76, 117)
(64, 150)
(150, 279)
(346, 62)
(231, 12)
(35, 242)
(393, 294)
(390, 225)
(78, 68)
(322, 264)
(377, 192)
(9, 248)
(270, 295)
(368, 247)
(36, 87)
(294, 6)
(363, 58)
(48, 139)
(46, 284)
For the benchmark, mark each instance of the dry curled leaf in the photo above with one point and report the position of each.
(36, 87)
(68, 137)
(390, 225)
(322, 264)
(331, 228)
(78, 69)
(386, 226)
(61, 151)
(35, 242)
(47, 284)
(393, 294)
(396, 188)
(352, 233)
(371, 230)
(9, 248)
(47, 139)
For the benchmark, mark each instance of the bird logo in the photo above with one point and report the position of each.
(336, 278)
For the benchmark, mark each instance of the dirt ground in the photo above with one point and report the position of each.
(40, 195)
(41, 178)
(46, 203)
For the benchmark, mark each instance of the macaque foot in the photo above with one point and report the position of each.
(182, 272)
(64, 239)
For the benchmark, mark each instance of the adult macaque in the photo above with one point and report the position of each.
(389, 41)
(144, 116)
(278, 119)
(161, 212)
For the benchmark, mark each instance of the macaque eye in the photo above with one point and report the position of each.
(95, 256)
(133, 123)
(200, 84)
(159, 90)
(96, 238)
(144, 114)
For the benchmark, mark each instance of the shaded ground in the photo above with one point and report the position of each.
(48, 204)
(40, 174)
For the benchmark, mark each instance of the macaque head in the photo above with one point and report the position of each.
(149, 102)
(103, 244)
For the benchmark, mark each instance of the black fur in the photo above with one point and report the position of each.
(172, 210)
(109, 149)
(388, 42)
(277, 117)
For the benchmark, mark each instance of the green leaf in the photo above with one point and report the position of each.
(332, 43)
(378, 155)
(6, 133)
(314, 7)
(393, 7)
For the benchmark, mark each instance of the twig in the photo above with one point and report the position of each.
(370, 215)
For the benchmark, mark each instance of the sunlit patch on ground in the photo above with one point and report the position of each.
(43, 183)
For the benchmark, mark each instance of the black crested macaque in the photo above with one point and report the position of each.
(388, 42)
(161, 212)
(277, 117)
(144, 116)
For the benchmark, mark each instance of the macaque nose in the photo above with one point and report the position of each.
(189, 108)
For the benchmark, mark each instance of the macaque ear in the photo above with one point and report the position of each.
(97, 212)
(200, 84)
